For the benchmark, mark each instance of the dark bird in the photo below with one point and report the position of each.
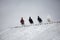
(22, 21)
(30, 20)
(39, 19)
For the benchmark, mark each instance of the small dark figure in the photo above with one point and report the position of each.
(39, 19)
(30, 20)
(22, 21)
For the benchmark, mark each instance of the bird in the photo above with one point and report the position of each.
(39, 19)
(22, 21)
(30, 20)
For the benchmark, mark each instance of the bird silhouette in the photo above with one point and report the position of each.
(22, 21)
(30, 20)
(39, 19)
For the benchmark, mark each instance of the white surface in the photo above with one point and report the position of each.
(42, 32)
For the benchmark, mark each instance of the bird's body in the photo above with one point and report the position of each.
(30, 20)
(39, 19)
(22, 21)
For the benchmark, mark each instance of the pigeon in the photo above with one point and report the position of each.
(39, 19)
(30, 20)
(22, 21)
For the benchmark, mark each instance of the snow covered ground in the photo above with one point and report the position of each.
(41, 32)
(11, 12)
